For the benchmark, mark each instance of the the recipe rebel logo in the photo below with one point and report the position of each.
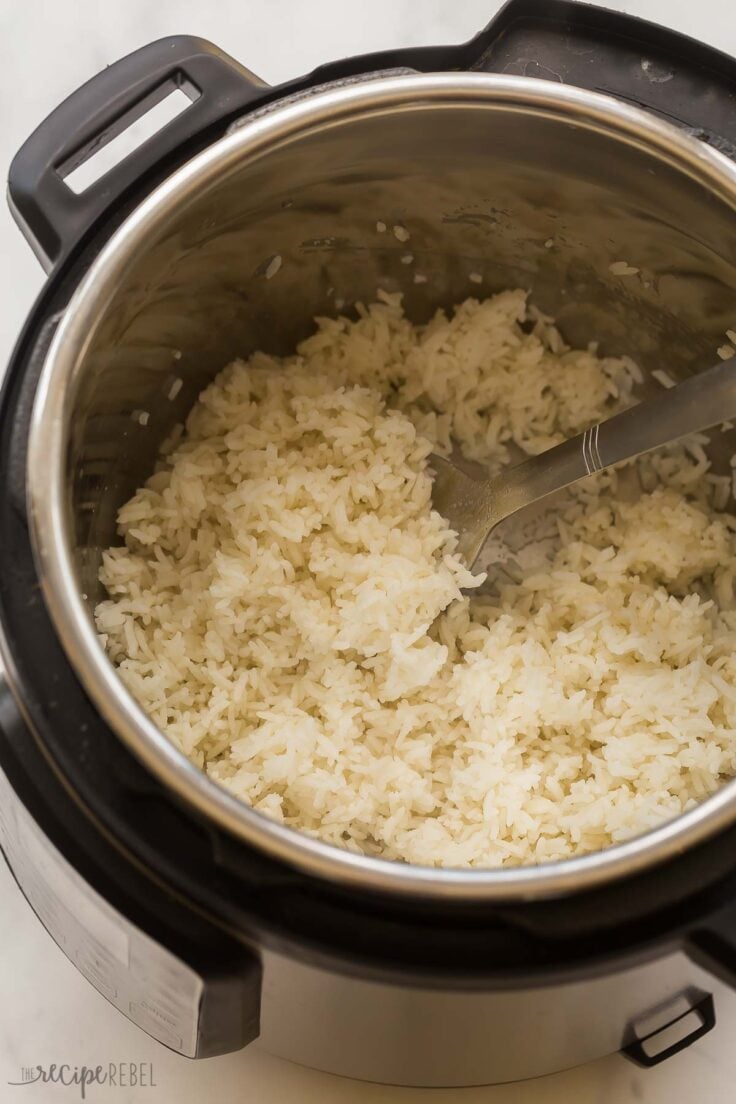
(110, 1075)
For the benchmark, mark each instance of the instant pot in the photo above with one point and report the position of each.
(559, 141)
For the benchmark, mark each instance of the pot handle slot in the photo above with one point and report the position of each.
(648, 1050)
(683, 81)
(52, 216)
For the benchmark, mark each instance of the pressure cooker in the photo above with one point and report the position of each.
(250, 213)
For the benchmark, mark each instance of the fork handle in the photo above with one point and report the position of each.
(704, 400)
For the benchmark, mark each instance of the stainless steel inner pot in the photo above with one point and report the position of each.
(482, 171)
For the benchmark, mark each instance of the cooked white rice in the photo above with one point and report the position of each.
(274, 605)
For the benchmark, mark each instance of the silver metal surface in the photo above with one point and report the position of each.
(368, 1029)
(145, 981)
(482, 171)
(475, 506)
(423, 1036)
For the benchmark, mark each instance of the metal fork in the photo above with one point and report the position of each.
(474, 507)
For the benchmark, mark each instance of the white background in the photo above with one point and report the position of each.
(48, 1012)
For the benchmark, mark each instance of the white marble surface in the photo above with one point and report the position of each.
(48, 1012)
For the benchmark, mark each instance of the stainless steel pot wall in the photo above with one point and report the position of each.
(482, 171)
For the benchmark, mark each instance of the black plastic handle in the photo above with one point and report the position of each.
(674, 76)
(703, 1010)
(682, 80)
(52, 217)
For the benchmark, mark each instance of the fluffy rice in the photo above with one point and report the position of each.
(287, 607)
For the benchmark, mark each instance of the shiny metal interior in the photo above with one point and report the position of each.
(525, 182)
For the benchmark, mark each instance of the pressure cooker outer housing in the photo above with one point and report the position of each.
(53, 731)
